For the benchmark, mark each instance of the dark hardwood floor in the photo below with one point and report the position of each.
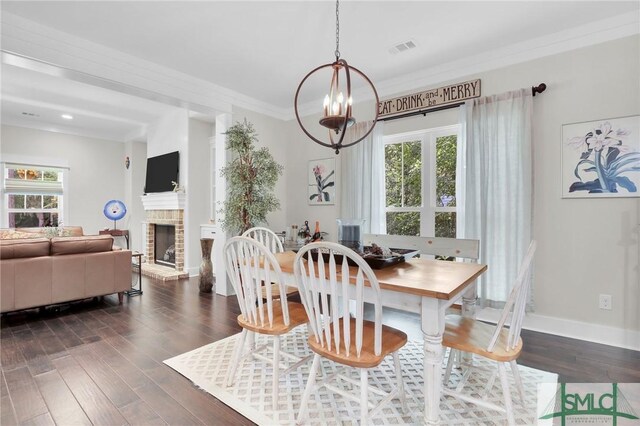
(97, 362)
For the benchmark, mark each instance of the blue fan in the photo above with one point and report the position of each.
(114, 210)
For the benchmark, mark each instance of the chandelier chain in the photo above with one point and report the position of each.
(337, 53)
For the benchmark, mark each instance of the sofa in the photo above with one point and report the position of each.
(38, 271)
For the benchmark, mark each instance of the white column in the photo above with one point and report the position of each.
(223, 122)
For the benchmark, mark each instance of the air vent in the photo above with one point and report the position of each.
(402, 47)
(30, 114)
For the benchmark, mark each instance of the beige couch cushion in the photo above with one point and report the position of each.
(22, 248)
(86, 244)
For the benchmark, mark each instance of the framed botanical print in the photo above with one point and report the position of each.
(601, 159)
(322, 182)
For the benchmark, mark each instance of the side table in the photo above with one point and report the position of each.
(136, 285)
(116, 233)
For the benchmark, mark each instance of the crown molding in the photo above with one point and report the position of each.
(609, 29)
(34, 40)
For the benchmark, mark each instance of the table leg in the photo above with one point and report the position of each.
(432, 318)
(469, 299)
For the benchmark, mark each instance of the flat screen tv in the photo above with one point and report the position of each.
(161, 171)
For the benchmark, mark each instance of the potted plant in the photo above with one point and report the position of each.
(251, 177)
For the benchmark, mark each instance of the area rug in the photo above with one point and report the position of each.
(251, 395)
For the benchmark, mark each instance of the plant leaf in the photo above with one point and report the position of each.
(626, 159)
(575, 171)
(591, 186)
(612, 154)
(626, 183)
(622, 161)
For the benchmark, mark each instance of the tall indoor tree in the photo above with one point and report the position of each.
(251, 178)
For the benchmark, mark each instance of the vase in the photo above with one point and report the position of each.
(206, 267)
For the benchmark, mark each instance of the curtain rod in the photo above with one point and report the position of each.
(534, 89)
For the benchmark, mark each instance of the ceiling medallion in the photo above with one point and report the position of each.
(337, 107)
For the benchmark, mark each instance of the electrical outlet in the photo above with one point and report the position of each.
(605, 301)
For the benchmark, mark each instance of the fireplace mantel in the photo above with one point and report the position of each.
(164, 201)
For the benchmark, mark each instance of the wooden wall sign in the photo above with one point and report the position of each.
(430, 98)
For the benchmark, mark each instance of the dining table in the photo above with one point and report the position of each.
(426, 287)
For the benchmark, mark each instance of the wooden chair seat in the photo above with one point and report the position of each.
(275, 291)
(392, 340)
(297, 316)
(473, 336)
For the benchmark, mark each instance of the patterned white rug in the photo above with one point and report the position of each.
(206, 367)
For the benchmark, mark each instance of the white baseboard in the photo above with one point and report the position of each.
(193, 272)
(613, 336)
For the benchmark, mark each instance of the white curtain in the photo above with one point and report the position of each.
(362, 176)
(494, 183)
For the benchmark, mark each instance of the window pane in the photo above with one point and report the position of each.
(16, 201)
(49, 202)
(393, 174)
(446, 171)
(412, 169)
(403, 223)
(446, 225)
(50, 176)
(34, 201)
(29, 220)
(30, 174)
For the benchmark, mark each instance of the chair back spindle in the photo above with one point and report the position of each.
(266, 237)
(326, 289)
(516, 303)
(249, 264)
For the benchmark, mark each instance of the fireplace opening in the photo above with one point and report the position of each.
(165, 245)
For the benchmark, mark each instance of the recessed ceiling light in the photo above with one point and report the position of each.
(67, 116)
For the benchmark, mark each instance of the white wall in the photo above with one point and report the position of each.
(199, 191)
(586, 247)
(168, 134)
(97, 171)
(271, 134)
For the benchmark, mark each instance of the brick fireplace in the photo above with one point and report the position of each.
(164, 209)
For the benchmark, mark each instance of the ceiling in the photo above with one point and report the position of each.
(262, 49)
(33, 99)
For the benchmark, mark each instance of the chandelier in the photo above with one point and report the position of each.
(338, 104)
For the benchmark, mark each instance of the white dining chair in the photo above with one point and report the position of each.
(266, 237)
(325, 289)
(270, 240)
(496, 343)
(249, 263)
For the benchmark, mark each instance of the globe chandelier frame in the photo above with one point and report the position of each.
(337, 108)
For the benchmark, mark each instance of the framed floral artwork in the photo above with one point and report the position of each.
(322, 182)
(601, 159)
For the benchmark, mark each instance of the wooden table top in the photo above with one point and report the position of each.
(423, 277)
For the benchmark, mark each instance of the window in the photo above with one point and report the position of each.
(33, 195)
(420, 182)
